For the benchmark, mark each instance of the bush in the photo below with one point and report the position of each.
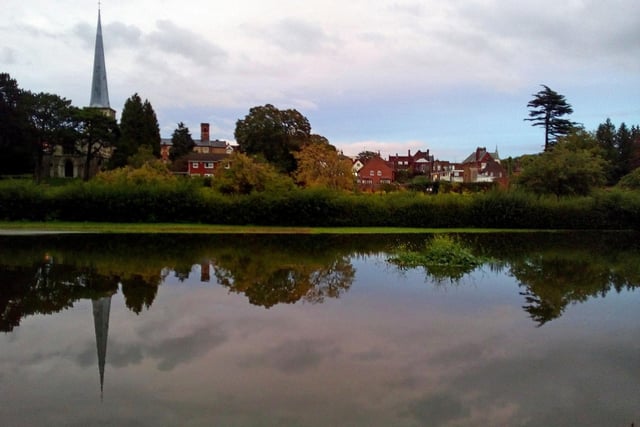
(630, 181)
(128, 199)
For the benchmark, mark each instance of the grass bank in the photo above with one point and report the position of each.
(34, 227)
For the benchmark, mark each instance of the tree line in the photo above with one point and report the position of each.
(279, 151)
(575, 160)
(32, 124)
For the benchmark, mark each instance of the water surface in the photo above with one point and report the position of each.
(318, 331)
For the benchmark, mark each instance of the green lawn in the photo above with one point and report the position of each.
(103, 227)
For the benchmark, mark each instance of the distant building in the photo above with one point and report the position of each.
(205, 164)
(483, 166)
(203, 146)
(374, 173)
(417, 164)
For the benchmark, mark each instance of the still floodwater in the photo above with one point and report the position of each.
(318, 331)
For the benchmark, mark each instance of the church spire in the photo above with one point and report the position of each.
(99, 91)
(101, 309)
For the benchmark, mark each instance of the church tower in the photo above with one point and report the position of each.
(99, 90)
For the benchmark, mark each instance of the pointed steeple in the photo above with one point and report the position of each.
(99, 91)
(101, 309)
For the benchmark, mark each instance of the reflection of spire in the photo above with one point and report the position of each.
(99, 91)
(101, 308)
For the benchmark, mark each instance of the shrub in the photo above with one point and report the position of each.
(630, 181)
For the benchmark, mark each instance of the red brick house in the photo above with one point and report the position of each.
(416, 164)
(203, 145)
(205, 164)
(374, 173)
(482, 166)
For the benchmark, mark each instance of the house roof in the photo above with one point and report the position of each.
(216, 143)
(205, 157)
(479, 154)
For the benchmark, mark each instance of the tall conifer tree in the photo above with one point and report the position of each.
(546, 109)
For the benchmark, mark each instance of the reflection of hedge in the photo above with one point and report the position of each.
(187, 203)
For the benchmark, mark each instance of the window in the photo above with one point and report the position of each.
(371, 173)
(208, 165)
(195, 165)
(379, 173)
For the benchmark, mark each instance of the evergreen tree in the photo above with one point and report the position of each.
(606, 137)
(138, 127)
(152, 129)
(624, 145)
(15, 152)
(634, 161)
(546, 109)
(181, 142)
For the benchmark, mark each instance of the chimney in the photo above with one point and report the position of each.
(204, 132)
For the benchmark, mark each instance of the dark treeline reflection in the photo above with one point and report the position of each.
(558, 269)
(46, 274)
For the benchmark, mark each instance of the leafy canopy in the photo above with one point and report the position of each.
(241, 174)
(320, 165)
(574, 167)
(273, 134)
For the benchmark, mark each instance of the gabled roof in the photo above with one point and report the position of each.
(205, 157)
(480, 154)
(216, 143)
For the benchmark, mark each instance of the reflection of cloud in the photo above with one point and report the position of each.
(175, 350)
(437, 409)
(292, 356)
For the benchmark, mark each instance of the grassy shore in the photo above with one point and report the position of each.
(10, 227)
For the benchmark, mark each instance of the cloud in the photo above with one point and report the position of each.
(298, 36)
(172, 39)
(7, 56)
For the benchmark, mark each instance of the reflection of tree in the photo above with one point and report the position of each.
(269, 278)
(49, 287)
(551, 282)
(554, 269)
(139, 292)
(443, 273)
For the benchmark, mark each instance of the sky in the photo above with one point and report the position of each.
(376, 75)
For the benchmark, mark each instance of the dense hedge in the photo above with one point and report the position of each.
(20, 200)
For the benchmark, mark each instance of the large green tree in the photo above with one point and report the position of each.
(574, 167)
(15, 151)
(546, 109)
(96, 132)
(273, 134)
(320, 165)
(621, 147)
(243, 175)
(181, 142)
(52, 122)
(138, 127)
